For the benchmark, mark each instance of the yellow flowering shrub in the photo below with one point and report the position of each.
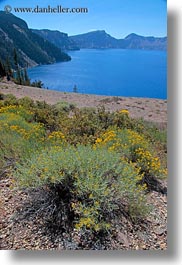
(124, 111)
(56, 138)
(134, 147)
(11, 122)
(18, 137)
(17, 109)
(96, 179)
(93, 161)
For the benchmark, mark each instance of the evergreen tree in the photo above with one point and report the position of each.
(37, 84)
(75, 89)
(18, 77)
(22, 78)
(2, 70)
(26, 78)
(8, 69)
(15, 57)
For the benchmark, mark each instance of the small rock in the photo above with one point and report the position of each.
(163, 246)
(123, 238)
(160, 231)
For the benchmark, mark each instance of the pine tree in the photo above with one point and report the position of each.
(2, 70)
(75, 89)
(22, 78)
(15, 57)
(18, 72)
(18, 77)
(8, 69)
(37, 84)
(26, 78)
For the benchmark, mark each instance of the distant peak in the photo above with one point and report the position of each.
(136, 36)
(97, 31)
(102, 30)
(132, 35)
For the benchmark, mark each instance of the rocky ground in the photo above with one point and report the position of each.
(30, 231)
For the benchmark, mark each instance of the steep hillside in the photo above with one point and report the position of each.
(59, 39)
(31, 48)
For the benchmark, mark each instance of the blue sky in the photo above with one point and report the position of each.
(118, 17)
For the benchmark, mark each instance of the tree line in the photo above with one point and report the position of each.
(17, 74)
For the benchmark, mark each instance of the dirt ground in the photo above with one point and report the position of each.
(154, 110)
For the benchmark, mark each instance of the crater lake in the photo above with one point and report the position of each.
(114, 72)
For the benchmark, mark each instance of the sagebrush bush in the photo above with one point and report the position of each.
(7, 100)
(85, 125)
(96, 160)
(98, 181)
(65, 106)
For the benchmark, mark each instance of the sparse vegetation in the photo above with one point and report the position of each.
(98, 165)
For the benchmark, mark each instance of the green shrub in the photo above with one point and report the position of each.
(65, 106)
(8, 99)
(17, 110)
(26, 102)
(94, 162)
(18, 137)
(98, 182)
(135, 148)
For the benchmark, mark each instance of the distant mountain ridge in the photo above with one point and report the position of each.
(59, 39)
(101, 40)
(35, 47)
(134, 41)
(31, 48)
(95, 40)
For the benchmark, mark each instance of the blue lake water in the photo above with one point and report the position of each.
(115, 72)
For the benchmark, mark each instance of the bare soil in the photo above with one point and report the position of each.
(153, 110)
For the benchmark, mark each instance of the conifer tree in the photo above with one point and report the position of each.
(8, 69)
(26, 78)
(15, 57)
(18, 73)
(2, 70)
(75, 89)
(22, 78)
(18, 77)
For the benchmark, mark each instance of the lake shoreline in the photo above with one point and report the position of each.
(113, 72)
(150, 109)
